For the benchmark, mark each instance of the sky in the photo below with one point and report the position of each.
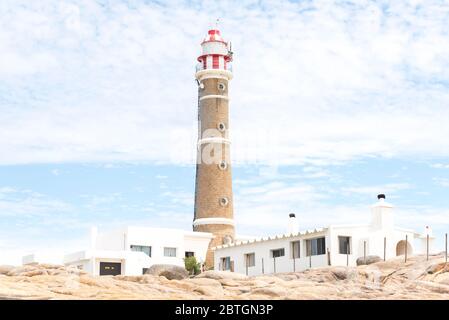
(332, 103)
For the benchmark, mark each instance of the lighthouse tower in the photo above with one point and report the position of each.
(213, 188)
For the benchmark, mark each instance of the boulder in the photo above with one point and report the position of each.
(369, 259)
(169, 271)
(341, 273)
(20, 271)
(220, 275)
(4, 269)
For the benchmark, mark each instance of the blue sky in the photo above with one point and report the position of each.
(331, 104)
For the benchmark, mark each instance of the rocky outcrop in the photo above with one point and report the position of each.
(393, 279)
(220, 275)
(368, 260)
(5, 269)
(169, 271)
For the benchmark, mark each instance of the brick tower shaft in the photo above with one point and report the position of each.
(213, 188)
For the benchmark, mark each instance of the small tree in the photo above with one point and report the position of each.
(192, 266)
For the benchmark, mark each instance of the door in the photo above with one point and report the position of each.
(110, 268)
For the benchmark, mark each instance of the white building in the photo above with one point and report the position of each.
(336, 245)
(131, 250)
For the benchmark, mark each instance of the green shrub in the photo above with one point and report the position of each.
(192, 266)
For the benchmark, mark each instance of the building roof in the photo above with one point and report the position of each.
(272, 238)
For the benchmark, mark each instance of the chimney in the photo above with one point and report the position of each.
(382, 214)
(292, 224)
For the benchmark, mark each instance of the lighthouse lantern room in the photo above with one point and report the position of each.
(216, 53)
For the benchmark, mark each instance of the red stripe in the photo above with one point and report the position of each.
(214, 32)
(215, 62)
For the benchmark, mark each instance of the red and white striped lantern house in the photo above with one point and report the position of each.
(216, 54)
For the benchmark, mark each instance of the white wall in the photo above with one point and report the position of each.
(373, 236)
(114, 246)
(263, 249)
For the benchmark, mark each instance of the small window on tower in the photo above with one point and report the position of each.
(221, 86)
(223, 165)
(221, 127)
(224, 201)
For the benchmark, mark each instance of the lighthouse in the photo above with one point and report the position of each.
(213, 187)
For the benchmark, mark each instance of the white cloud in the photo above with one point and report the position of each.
(443, 182)
(440, 166)
(390, 188)
(315, 81)
(27, 203)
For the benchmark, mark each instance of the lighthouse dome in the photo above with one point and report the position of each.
(213, 35)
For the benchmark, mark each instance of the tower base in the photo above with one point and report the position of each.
(220, 231)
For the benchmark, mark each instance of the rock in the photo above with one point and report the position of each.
(210, 291)
(169, 271)
(230, 283)
(217, 275)
(341, 273)
(184, 285)
(436, 287)
(238, 290)
(436, 268)
(205, 282)
(287, 276)
(5, 269)
(19, 271)
(274, 292)
(392, 279)
(369, 260)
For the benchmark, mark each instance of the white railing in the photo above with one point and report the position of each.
(200, 67)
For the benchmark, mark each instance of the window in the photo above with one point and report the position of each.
(221, 127)
(344, 245)
(277, 253)
(144, 249)
(226, 263)
(144, 270)
(80, 267)
(224, 201)
(295, 249)
(316, 246)
(189, 254)
(169, 252)
(221, 86)
(250, 259)
(223, 165)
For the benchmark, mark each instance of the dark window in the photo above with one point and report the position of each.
(295, 249)
(226, 263)
(144, 249)
(277, 253)
(144, 270)
(344, 245)
(189, 254)
(250, 259)
(110, 268)
(316, 246)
